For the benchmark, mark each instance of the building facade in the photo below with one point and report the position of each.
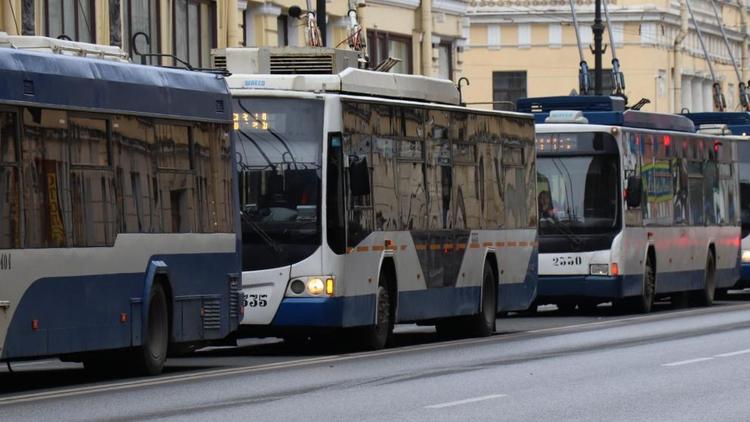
(518, 48)
(425, 35)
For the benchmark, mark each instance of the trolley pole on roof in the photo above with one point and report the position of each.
(584, 82)
(744, 100)
(719, 102)
(598, 29)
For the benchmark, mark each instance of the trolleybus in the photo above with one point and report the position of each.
(370, 198)
(118, 238)
(633, 205)
(735, 126)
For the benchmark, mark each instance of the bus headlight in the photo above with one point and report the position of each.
(746, 256)
(599, 269)
(315, 286)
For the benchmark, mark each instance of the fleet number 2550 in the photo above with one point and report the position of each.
(565, 261)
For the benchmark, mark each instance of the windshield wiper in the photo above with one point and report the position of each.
(262, 234)
(575, 239)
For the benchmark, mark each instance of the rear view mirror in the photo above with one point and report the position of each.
(359, 176)
(634, 191)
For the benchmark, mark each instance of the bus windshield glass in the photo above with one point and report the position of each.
(578, 194)
(743, 149)
(279, 144)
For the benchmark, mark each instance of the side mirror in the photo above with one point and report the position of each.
(359, 176)
(634, 191)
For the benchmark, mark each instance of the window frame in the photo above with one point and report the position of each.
(377, 47)
(212, 10)
(77, 7)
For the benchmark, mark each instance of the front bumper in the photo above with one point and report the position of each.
(603, 287)
(330, 312)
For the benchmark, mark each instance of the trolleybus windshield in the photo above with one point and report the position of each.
(577, 185)
(279, 164)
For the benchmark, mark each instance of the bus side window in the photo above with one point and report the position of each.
(335, 223)
(10, 208)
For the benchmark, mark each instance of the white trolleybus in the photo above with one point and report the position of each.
(735, 126)
(372, 198)
(633, 206)
(118, 239)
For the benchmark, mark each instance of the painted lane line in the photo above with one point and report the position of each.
(730, 354)
(687, 362)
(242, 370)
(465, 401)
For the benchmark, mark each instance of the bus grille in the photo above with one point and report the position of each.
(302, 64)
(235, 292)
(211, 314)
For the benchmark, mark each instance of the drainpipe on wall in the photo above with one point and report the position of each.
(743, 28)
(677, 74)
(426, 9)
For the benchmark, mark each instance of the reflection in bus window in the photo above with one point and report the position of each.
(10, 194)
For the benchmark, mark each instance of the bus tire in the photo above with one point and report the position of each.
(645, 302)
(148, 359)
(377, 336)
(483, 323)
(706, 296)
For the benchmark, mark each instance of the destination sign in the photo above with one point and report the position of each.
(254, 121)
(556, 142)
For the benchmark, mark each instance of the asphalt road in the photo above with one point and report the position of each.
(674, 364)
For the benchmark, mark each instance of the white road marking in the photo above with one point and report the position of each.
(726, 355)
(34, 363)
(687, 362)
(465, 401)
(242, 370)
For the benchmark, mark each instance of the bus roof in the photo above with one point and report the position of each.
(600, 110)
(54, 80)
(356, 82)
(737, 122)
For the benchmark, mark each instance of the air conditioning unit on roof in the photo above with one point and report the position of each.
(284, 60)
(57, 46)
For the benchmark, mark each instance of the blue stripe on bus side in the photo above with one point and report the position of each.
(628, 285)
(82, 313)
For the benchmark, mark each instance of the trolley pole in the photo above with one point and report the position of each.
(320, 13)
(598, 29)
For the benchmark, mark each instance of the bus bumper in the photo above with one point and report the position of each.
(333, 312)
(607, 287)
(744, 280)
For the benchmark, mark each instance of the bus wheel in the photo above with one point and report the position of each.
(376, 336)
(483, 323)
(149, 358)
(705, 297)
(642, 304)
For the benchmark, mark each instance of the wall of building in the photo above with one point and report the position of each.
(236, 23)
(541, 40)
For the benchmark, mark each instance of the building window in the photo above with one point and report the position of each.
(72, 18)
(282, 30)
(494, 38)
(194, 31)
(648, 33)
(524, 35)
(618, 32)
(382, 45)
(27, 17)
(555, 35)
(141, 16)
(507, 87)
(445, 61)
(115, 23)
